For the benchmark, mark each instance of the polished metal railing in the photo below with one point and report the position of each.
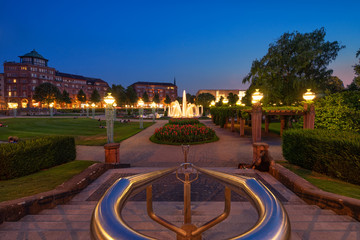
(107, 222)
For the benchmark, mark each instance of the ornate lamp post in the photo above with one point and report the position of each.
(309, 116)
(51, 105)
(212, 103)
(256, 96)
(256, 116)
(93, 110)
(153, 106)
(141, 112)
(225, 101)
(309, 96)
(114, 105)
(13, 106)
(109, 100)
(87, 110)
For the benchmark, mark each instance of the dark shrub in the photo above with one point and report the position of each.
(334, 153)
(26, 157)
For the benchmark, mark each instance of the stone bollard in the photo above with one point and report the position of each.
(112, 154)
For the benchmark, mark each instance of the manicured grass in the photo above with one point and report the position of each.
(85, 130)
(273, 127)
(42, 181)
(324, 182)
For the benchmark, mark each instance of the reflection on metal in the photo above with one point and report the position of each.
(107, 222)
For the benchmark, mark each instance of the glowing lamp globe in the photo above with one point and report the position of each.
(114, 104)
(109, 100)
(256, 96)
(93, 105)
(51, 105)
(153, 105)
(12, 105)
(225, 101)
(212, 103)
(309, 96)
(141, 102)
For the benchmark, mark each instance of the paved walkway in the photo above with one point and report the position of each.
(72, 220)
(139, 151)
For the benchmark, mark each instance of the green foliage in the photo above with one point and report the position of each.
(184, 134)
(220, 114)
(81, 96)
(47, 93)
(145, 97)
(232, 99)
(330, 152)
(339, 111)
(167, 99)
(119, 94)
(355, 85)
(190, 98)
(292, 64)
(184, 121)
(204, 99)
(65, 98)
(156, 98)
(23, 158)
(95, 96)
(131, 95)
(334, 84)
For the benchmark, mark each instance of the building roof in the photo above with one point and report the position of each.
(74, 76)
(34, 54)
(155, 83)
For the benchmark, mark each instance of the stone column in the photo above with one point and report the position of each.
(242, 127)
(112, 154)
(282, 125)
(232, 124)
(256, 115)
(309, 116)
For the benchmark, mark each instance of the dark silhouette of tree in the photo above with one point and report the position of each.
(131, 95)
(119, 94)
(355, 84)
(167, 99)
(204, 99)
(145, 97)
(47, 93)
(81, 96)
(65, 98)
(95, 96)
(232, 99)
(156, 98)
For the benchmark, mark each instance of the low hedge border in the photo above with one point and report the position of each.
(312, 195)
(155, 140)
(330, 152)
(14, 210)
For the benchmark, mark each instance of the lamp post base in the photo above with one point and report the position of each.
(112, 153)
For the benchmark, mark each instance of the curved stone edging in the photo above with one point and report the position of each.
(14, 210)
(313, 195)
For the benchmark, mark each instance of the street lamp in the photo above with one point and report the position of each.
(13, 106)
(309, 96)
(141, 112)
(109, 100)
(93, 110)
(225, 101)
(51, 105)
(212, 103)
(87, 110)
(114, 105)
(256, 96)
(153, 106)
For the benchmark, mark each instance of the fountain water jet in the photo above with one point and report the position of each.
(187, 110)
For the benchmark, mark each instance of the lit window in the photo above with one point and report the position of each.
(14, 81)
(9, 94)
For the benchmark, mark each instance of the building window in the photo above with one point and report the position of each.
(23, 68)
(9, 94)
(34, 81)
(14, 81)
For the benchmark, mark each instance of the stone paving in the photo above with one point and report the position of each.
(72, 220)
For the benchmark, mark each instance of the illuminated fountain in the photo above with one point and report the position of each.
(187, 110)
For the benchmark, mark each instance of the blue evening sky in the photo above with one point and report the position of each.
(204, 44)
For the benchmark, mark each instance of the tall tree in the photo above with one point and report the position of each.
(204, 99)
(65, 98)
(190, 98)
(47, 93)
(232, 99)
(355, 85)
(156, 98)
(95, 96)
(145, 97)
(167, 99)
(131, 95)
(81, 96)
(334, 84)
(295, 62)
(119, 94)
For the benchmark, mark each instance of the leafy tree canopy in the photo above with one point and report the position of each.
(81, 96)
(295, 62)
(204, 99)
(145, 97)
(119, 94)
(334, 84)
(95, 96)
(355, 85)
(167, 99)
(220, 102)
(65, 98)
(190, 98)
(233, 98)
(156, 98)
(131, 95)
(47, 93)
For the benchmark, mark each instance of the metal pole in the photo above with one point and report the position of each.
(153, 112)
(87, 112)
(15, 110)
(51, 112)
(114, 114)
(93, 113)
(109, 123)
(141, 112)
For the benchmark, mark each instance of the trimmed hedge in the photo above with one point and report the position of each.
(23, 158)
(184, 121)
(334, 153)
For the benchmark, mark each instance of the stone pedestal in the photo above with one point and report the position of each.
(256, 115)
(112, 154)
(267, 122)
(309, 116)
(242, 127)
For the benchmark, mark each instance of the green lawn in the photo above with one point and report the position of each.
(41, 181)
(85, 130)
(273, 127)
(324, 182)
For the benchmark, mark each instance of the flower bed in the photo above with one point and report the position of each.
(184, 134)
(184, 121)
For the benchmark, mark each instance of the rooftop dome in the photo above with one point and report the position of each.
(34, 54)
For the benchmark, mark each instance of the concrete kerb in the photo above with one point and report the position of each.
(312, 195)
(14, 210)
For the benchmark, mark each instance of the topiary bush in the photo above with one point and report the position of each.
(26, 157)
(333, 153)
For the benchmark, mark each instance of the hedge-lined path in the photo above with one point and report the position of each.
(139, 151)
(72, 220)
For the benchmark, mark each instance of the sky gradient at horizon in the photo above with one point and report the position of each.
(204, 44)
